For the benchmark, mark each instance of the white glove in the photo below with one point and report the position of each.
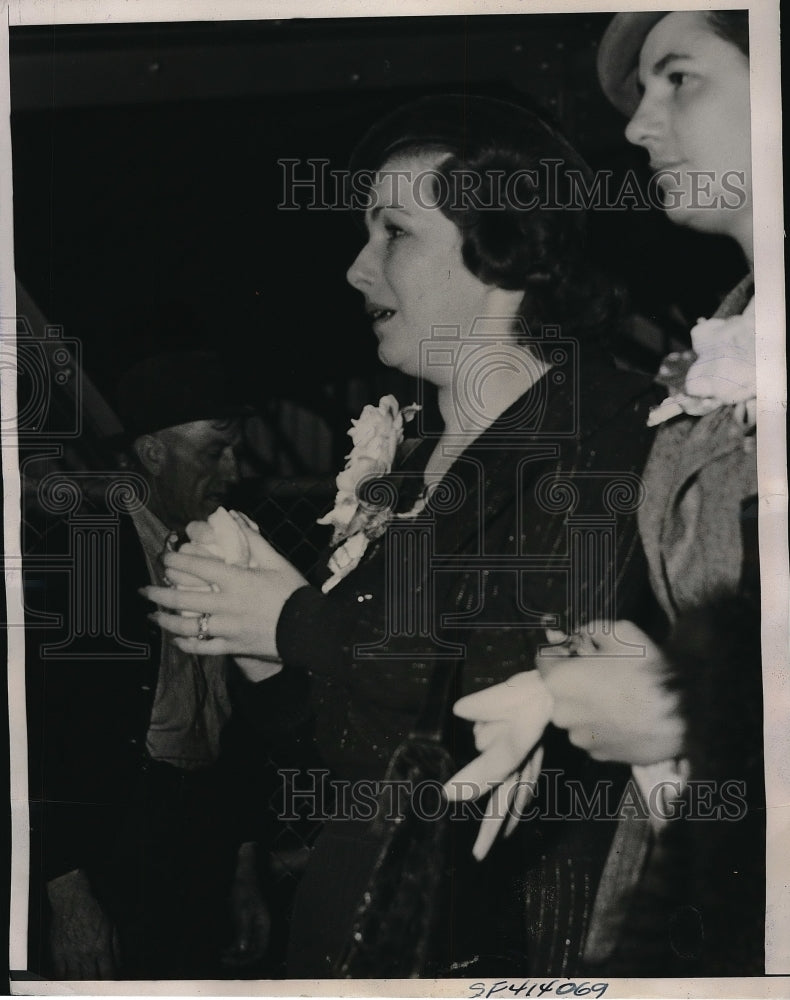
(509, 721)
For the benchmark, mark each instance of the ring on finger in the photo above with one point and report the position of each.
(203, 626)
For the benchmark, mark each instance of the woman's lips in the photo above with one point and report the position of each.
(380, 314)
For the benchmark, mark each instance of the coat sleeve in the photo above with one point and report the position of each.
(701, 907)
(715, 655)
(306, 615)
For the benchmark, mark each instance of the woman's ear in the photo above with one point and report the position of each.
(151, 453)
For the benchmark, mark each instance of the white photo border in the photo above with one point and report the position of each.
(770, 313)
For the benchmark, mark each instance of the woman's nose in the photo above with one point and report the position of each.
(360, 274)
(645, 123)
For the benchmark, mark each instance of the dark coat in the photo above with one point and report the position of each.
(504, 506)
(545, 468)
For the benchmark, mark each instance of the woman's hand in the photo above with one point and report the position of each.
(610, 694)
(243, 606)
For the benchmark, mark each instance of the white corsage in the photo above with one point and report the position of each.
(721, 370)
(376, 436)
(220, 537)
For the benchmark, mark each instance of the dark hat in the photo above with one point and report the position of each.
(459, 123)
(176, 388)
(618, 56)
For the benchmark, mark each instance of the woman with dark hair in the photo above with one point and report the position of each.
(732, 26)
(477, 277)
(685, 895)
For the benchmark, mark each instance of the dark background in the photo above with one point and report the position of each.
(146, 185)
(146, 188)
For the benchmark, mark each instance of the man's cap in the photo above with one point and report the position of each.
(618, 56)
(176, 388)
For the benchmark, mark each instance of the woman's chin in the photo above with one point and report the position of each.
(390, 356)
(387, 357)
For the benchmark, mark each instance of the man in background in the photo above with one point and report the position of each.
(137, 809)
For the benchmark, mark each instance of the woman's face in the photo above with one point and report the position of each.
(412, 274)
(694, 121)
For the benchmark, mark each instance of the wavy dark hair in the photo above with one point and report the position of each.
(511, 183)
(732, 26)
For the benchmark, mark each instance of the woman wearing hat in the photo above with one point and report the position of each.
(684, 80)
(462, 266)
(684, 896)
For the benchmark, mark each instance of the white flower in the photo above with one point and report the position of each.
(359, 467)
(345, 558)
(343, 513)
(726, 365)
(223, 537)
(377, 432)
(220, 537)
(720, 371)
(376, 436)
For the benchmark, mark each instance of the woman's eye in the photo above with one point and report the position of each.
(677, 78)
(393, 232)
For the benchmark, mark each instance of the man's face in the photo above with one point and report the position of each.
(197, 471)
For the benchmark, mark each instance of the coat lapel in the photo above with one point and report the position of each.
(685, 448)
(533, 430)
